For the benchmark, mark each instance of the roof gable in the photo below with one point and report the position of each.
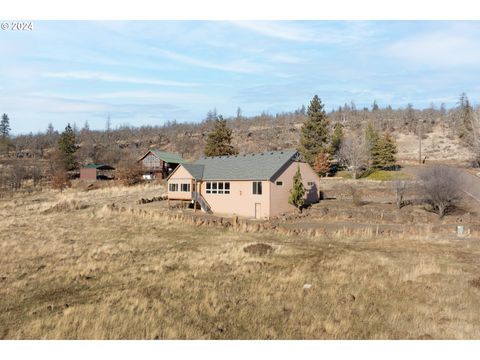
(165, 156)
(259, 166)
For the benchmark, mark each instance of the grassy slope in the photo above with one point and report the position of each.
(93, 274)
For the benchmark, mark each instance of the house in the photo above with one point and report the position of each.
(96, 172)
(250, 185)
(159, 164)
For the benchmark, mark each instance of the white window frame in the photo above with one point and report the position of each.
(257, 188)
(217, 187)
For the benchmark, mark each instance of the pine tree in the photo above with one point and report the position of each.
(5, 127)
(67, 147)
(322, 164)
(337, 138)
(384, 152)
(50, 129)
(466, 115)
(314, 133)
(371, 139)
(297, 192)
(219, 139)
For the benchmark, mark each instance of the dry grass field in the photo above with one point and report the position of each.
(72, 269)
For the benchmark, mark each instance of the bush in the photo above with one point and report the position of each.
(61, 180)
(129, 172)
(356, 195)
(441, 186)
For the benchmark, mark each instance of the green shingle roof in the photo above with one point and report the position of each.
(98, 167)
(259, 166)
(167, 156)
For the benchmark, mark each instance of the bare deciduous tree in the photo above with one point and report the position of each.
(400, 189)
(441, 186)
(353, 154)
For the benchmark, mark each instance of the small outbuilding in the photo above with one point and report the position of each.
(96, 172)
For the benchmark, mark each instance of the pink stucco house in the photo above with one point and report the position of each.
(250, 185)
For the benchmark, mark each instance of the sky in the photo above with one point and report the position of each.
(149, 72)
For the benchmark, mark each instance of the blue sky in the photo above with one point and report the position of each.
(148, 72)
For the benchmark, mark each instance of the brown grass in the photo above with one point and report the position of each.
(90, 273)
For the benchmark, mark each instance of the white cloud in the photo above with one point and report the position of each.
(240, 66)
(148, 96)
(438, 49)
(299, 33)
(87, 75)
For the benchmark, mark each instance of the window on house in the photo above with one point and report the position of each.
(173, 187)
(185, 187)
(257, 188)
(218, 187)
(279, 183)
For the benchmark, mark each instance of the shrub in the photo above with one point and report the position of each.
(129, 172)
(356, 195)
(441, 186)
(60, 180)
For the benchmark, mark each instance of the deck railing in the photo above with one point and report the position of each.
(201, 200)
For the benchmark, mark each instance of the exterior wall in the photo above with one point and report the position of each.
(280, 193)
(88, 174)
(152, 163)
(241, 200)
(180, 176)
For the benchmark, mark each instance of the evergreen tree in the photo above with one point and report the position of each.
(337, 138)
(297, 192)
(314, 133)
(219, 139)
(375, 106)
(50, 129)
(466, 115)
(67, 147)
(5, 127)
(384, 152)
(371, 138)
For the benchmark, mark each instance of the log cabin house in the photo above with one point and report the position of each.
(159, 164)
(250, 185)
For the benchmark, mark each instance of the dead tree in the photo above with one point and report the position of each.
(353, 154)
(441, 186)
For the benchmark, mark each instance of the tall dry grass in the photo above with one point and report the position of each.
(85, 272)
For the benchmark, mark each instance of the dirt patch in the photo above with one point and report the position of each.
(259, 249)
(475, 283)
